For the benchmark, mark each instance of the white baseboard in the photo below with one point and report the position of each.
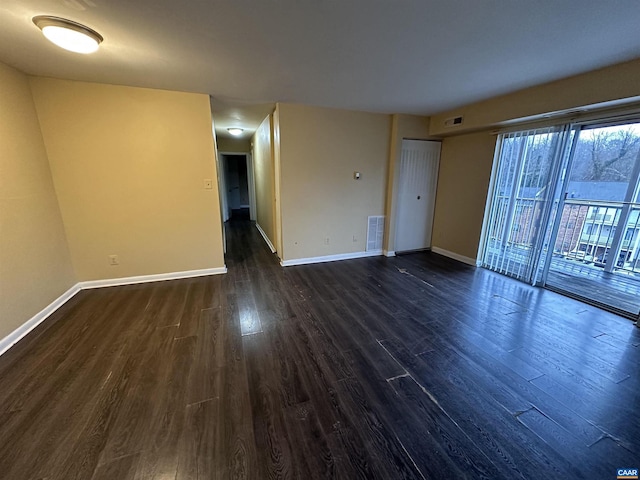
(389, 253)
(113, 282)
(10, 340)
(266, 239)
(245, 206)
(330, 258)
(14, 337)
(455, 256)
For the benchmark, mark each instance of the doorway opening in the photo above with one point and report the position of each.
(237, 187)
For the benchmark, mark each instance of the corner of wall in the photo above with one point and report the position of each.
(34, 248)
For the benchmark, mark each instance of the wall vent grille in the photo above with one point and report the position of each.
(375, 233)
(453, 122)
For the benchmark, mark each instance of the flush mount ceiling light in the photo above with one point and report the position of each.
(68, 34)
(235, 131)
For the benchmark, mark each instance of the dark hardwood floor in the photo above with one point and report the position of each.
(410, 367)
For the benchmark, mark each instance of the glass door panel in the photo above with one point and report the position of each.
(595, 251)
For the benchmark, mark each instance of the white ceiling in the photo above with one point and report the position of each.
(406, 56)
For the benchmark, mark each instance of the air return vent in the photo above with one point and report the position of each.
(375, 233)
(453, 122)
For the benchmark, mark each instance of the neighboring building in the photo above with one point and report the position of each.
(577, 231)
(587, 230)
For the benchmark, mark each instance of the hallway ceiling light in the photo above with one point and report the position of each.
(235, 131)
(68, 34)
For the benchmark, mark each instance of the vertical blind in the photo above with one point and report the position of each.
(524, 186)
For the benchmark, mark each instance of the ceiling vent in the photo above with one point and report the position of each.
(453, 122)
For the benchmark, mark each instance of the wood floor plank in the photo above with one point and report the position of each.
(122, 468)
(82, 459)
(272, 443)
(190, 315)
(312, 456)
(235, 437)
(448, 442)
(135, 415)
(160, 457)
(198, 455)
(389, 456)
(209, 360)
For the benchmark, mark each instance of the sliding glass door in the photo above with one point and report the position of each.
(564, 212)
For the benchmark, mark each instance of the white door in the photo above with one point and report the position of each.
(418, 177)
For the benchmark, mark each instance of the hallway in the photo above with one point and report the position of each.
(410, 367)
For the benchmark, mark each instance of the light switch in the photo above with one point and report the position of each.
(356, 175)
(208, 184)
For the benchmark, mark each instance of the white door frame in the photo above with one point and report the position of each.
(222, 186)
(252, 187)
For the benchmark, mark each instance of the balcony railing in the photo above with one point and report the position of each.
(589, 232)
(586, 233)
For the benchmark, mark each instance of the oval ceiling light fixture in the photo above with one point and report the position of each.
(68, 34)
(235, 131)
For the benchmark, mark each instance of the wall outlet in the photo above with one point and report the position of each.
(326, 240)
(355, 239)
(114, 260)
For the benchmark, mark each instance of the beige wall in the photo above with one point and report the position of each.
(463, 182)
(320, 149)
(233, 145)
(410, 127)
(35, 265)
(264, 178)
(604, 85)
(129, 166)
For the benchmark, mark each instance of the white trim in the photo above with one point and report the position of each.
(113, 282)
(389, 253)
(330, 258)
(266, 239)
(14, 337)
(455, 256)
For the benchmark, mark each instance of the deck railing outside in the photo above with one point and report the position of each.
(589, 233)
(586, 233)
